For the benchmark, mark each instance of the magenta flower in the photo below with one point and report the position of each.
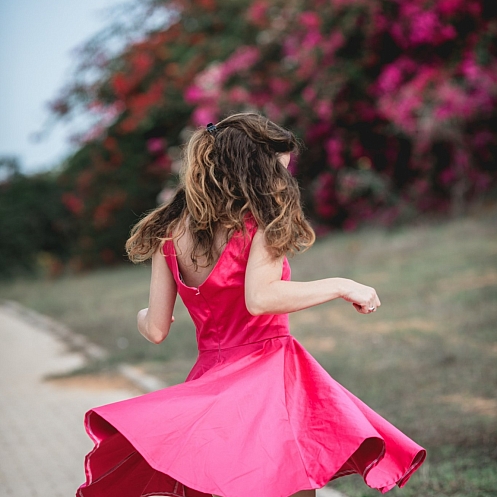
(309, 94)
(155, 145)
(390, 78)
(312, 39)
(257, 12)
(203, 115)
(334, 150)
(424, 28)
(450, 7)
(193, 94)
(310, 20)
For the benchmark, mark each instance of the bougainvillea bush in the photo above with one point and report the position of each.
(394, 99)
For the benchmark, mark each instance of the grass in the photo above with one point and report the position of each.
(426, 360)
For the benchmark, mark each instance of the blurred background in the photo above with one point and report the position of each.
(395, 101)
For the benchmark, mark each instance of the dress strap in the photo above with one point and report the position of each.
(168, 252)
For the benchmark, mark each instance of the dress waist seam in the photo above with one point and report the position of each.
(216, 349)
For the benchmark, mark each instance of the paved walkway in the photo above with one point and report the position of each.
(42, 439)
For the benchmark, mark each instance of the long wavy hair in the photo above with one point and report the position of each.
(226, 175)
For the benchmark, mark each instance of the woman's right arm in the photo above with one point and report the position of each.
(155, 321)
(267, 293)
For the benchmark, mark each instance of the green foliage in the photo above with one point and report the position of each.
(32, 220)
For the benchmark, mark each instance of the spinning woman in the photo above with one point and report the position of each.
(257, 415)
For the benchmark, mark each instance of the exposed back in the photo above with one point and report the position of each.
(217, 306)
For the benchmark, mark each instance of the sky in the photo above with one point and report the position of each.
(36, 40)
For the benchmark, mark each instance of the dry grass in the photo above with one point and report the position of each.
(426, 360)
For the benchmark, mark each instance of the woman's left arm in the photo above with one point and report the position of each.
(155, 321)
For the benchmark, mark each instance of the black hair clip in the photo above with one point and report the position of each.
(212, 128)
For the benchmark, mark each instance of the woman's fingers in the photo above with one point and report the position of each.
(367, 308)
(364, 298)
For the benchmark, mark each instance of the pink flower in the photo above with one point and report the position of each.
(470, 69)
(318, 131)
(310, 20)
(155, 145)
(279, 86)
(474, 7)
(312, 39)
(261, 98)
(448, 33)
(329, 46)
(397, 32)
(334, 149)
(257, 12)
(424, 28)
(450, 7)
(291, 47)
(163, 162)
(325, 196)
(324, 110)
(452, 102)
(309, 94)
(193, 94)
(211, 78)
(243, 58)
(203, 115)
(447, 176)
(380, 21)
(390, 78)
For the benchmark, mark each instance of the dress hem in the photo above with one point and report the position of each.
(400, 481)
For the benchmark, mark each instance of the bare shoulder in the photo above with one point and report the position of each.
(260, 258)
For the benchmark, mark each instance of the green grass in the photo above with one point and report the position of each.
(449, 471)
(103, 305)
(426, 360)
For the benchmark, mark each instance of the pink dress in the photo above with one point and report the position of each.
(257, 415)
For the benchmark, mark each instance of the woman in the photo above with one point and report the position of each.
(257, 415)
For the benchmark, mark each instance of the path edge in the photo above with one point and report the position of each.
(81, 344)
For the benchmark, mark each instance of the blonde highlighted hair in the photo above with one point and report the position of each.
(227, 174)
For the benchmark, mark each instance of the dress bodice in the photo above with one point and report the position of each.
(217, 306)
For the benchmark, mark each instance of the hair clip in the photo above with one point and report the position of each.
(212, 128)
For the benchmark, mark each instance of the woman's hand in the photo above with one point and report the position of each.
(363, 298)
